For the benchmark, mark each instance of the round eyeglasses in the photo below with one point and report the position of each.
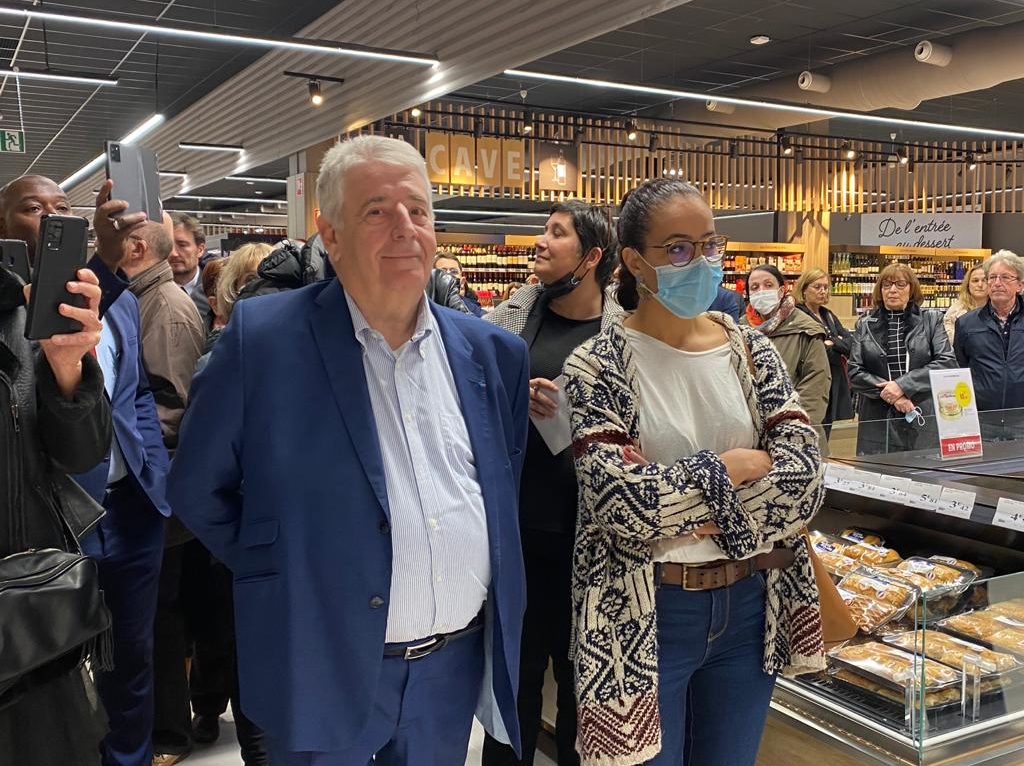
(683, 251)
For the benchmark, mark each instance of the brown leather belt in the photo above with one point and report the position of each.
(720, 574)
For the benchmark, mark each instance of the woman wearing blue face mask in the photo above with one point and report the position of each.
(697, 469)
(799, 339)
(894, 349)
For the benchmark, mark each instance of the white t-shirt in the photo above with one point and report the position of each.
(690, 401)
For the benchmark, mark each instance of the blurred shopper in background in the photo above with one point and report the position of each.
(973, 295)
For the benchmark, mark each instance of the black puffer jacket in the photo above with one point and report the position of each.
(288, 268)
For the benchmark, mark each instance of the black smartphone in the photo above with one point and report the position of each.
(14, 258)
(136, 178)
(59, 255)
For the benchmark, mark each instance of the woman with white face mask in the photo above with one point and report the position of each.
(799, 339)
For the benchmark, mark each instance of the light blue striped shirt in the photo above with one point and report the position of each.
(441, 566)
(108, 354)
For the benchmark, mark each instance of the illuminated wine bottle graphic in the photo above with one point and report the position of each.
(560, 167)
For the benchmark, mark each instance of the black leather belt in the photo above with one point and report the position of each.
(426, 647)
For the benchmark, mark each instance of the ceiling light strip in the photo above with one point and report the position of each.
(491, 225)
(257, 179)
(311, 46)
(495, 213)
(200, 147)
(253, 200)
(762, 104)
(34, 74)
(92, 166)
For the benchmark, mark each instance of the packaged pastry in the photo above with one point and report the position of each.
(1011, 639)
(920, 582)
(869, 614)
(876, 555)
(1014, 609)
(900, 596)
(857, 535)
(983, 625)
(821, 541)
(949, 695)
(954, 651)
(837, 565)
(934, 578)
(958, 563)
(894, 667)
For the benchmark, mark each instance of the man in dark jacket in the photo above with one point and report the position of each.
(990, 340)
(728, 302)
(453, 266)
(54, 420)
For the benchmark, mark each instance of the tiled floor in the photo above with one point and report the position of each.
(225, 751)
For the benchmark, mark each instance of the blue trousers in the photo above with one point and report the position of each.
(422, 714)
(128, 547)
(712, 691)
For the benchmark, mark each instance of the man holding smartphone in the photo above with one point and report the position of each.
(128, 543)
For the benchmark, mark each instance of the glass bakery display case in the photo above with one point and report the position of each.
(929, 556)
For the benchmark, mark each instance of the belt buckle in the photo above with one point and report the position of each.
(421, 650)
(686, 572)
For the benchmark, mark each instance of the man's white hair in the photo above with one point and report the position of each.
(356, 151)
(1007, 258)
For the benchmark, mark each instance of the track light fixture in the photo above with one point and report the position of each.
(972, 161)
(848, 151)
(528, 123)
(734, 150)
(631, 126)
(904, 155)
(316, 96)
(786, 142)
(416, 112)
(652, 144)
(478, 129)
(577, 139)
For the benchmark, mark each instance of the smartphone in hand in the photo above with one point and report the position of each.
(61, 252)
(14, 258)
(136, 178)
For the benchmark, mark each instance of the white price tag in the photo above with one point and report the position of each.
(1009, 514)
(893, 488)
(923, 495)
(956, 502)
(843, 478)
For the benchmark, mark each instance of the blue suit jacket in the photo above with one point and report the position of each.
(728, 302)
(136, 425)
(279, 473)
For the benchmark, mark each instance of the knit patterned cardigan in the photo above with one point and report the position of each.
(624, 508)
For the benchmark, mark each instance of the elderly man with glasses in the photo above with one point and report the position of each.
(990, 340)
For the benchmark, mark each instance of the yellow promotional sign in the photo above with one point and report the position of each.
(463, 161)
(438, 158)
(488, 161)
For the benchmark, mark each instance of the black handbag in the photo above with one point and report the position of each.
(51, 605)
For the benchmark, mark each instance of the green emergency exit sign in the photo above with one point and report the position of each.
(12, 141)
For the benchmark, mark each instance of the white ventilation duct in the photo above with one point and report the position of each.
(717, 106)
(928, 52)
(814, 82)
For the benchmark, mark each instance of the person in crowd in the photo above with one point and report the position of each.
(211, 273)
(973, 295)
(213, 679)
(811, 294)
(56, 420)
(990, 341)
(287, 267)
(799, 339)
(728, 302)
(185, 260)
(894, 349)
(453, 266)
(697, 467)
(128, 542)
(172, 339)
(575, 258)
(416, 494)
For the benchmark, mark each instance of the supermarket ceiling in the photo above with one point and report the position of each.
(705, 46)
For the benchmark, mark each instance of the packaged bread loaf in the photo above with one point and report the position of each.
(1014, 609)
(875, 555)
(894, 666)
(1011, 639)
(958, 563)
(932, 699)
(954, 651)
(869, 614)
(982, 624)
(932, 577)
(898, 595)
(857, 535)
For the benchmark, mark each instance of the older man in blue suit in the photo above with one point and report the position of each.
(352, 452)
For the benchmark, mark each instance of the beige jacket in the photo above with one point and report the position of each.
(172, 341)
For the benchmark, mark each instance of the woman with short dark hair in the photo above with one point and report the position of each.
(575, 259)
(894, 349)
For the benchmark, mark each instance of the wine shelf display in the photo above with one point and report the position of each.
(855, 268)
(492, 268)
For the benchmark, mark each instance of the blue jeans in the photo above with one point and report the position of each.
(712, 691)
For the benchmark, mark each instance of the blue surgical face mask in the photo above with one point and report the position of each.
(915, 414)
(687, 291)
